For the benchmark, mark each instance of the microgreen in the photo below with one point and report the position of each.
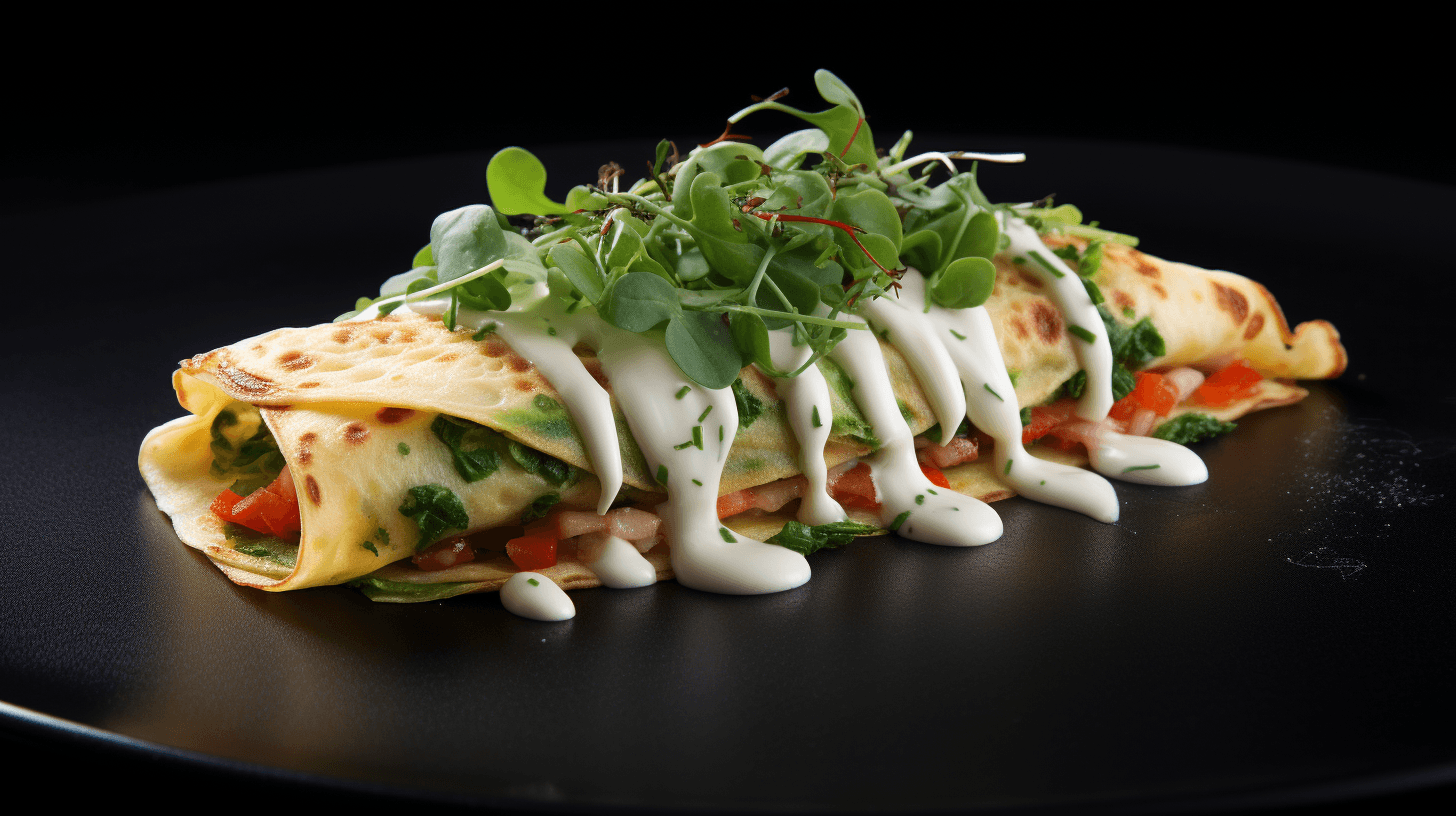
(712, 250)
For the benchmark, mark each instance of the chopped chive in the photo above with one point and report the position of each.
(698, 483)
(727, 535)
(993, 392)
(403, 449)
(899, 520)
(953, 507)
(681, 445)
(1019, 260)
(551, 330)
(683, 392)
(1008, 467)
(1014, 375)
(814, 418)
(1043, 481)
(1083, 333)
(931, 491)
(533, 582)
(662, 474)
(1140, 467)
(1047, 265)
(369, 545)
(698, 437)
(920, 499)
(704, 414)
(1128, 313)
(720, 433)
(488, 328)
(957, 334)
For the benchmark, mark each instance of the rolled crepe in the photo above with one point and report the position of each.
(351, 406)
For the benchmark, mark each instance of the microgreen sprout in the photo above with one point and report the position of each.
(711, 250)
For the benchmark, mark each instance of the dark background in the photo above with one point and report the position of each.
(108, 114)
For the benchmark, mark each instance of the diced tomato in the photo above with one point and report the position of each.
(444, 554)
(1233, 382)
(935, 476)
(532, 552)
(222, 506)
(1046, 417)
(271, 509)
(734, 503)
(857, 489)
(1060, 443)
(1152, 392)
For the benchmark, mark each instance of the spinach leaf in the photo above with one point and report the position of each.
(435, 510)
(807, 540)
(1189, 428)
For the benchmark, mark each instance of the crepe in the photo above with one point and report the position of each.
(351, 406)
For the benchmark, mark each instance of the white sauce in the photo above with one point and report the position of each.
(1130, 458)
(954, 355)
(617, 562)
(806, 397)
(533, 595)
(923, 511)
(966, 338)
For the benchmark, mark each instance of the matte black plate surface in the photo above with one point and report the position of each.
(1281, 633)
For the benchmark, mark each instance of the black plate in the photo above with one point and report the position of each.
(1279, 634)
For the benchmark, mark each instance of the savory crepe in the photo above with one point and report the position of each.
(523, 405)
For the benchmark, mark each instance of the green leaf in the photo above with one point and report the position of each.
(474, 456)
(540, 507)
(835, 91)
(965, 283)
(703, 348)
(579, 269)
(750, 337)
(1189, 428)
(807, 540)
(436, 510)
(464, 240)
(872, 211)
(582, 197)
(517, 183)
(639, 301)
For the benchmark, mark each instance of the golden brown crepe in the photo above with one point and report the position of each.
(325, 392)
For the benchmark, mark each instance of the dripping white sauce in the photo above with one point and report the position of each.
(954, 355)
(910, 504)
(978, 374)
(806, 397)
(662, 408)
(1130, 458)
(616, 561)
(533, 595)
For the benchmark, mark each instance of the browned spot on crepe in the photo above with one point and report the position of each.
(305, 448)
(1144, 268)
(295, 360)
(1160, 291)
(344, 334)
(274, 408)
(1232, 301)
(310, 486)
(1048, 321)
(309, 384)
(1121, 299)
(253, 385)
(1019, 326)
(448, 357)
(519, 363)
(390, 416)
(1254, 326)
(355, 433)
